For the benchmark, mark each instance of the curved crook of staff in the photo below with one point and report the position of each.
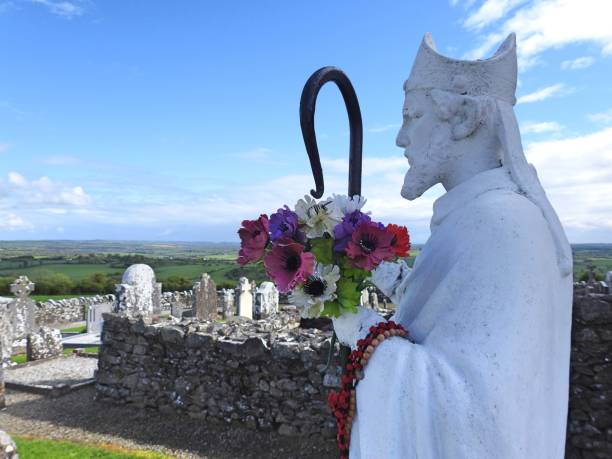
(308, 103)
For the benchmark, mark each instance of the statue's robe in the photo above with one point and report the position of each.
(490, 314)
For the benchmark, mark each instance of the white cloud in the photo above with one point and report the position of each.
(12, 222)
(64, 9)
(602, 117)
(490, 11)
(21, 192)
(577, 177)
(578, 63)
(386, 127)
(547, 24)
(539, 128)
(543, 93)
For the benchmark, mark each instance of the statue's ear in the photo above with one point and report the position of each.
(464, 113)
(467, 117)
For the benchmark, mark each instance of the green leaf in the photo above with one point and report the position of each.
(331, 309)
(322, 249)
(348, 270)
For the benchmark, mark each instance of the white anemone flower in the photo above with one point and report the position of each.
(319, 217)
(348, 204)
(310, 297)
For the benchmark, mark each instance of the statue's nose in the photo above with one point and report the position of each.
(402, 139)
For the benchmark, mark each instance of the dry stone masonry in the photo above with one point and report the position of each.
(68, 310)
(590, 411)
(266, 374)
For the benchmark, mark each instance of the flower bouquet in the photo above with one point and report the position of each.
(322, 252)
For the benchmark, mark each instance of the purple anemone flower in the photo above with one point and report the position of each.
(284, 223)
(343, 232)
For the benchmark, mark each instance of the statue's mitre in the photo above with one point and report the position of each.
(493, 77)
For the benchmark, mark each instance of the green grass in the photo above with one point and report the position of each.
(34, 448)
(19, 358)
(72, 270)
(80, 329)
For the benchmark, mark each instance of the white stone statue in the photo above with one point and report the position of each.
(488, 302)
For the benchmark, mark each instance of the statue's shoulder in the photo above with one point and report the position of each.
(505, 211)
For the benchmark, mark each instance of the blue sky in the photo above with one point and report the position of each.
(162, 120)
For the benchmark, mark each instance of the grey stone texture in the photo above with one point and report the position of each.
(25, 308)
(68, 310)
(265, 374)
(590, 410)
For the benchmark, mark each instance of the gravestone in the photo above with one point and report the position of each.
(228, 303)
(205, 298)
(266, 300)
(7, 326)
(244, 298)
(177, 309)
(25, 308)
(94, 316)
(138, 294)
(46, 343)
(364, 299)
(2, 390)
(373, 298)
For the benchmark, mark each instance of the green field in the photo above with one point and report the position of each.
(38, 448)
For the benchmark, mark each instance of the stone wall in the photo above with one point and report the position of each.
(265, 374)
(590, 414)
(67, 310)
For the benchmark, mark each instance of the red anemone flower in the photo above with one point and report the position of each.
(369, 246)
(400, 241)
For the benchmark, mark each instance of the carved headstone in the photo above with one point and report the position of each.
(25, 308)
(137, 293)
(373, 298)
(244, 298)
(266, 300)
(228, 303)
(205, 298)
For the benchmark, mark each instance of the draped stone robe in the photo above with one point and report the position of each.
(491, 317)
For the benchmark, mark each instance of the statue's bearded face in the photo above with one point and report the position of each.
(426, 140)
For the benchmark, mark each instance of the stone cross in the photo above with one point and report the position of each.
(25, 308)
(205, 298)
(244, 298)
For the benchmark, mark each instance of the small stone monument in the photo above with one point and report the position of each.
(94, 316)
(7, 327)
(228, 303)
(205, 298)
(373, 298)
(266, 300)
(8, 449)
(244, 298)
(25, 308)
(46, 343)
(2, 390)
(138, 293)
